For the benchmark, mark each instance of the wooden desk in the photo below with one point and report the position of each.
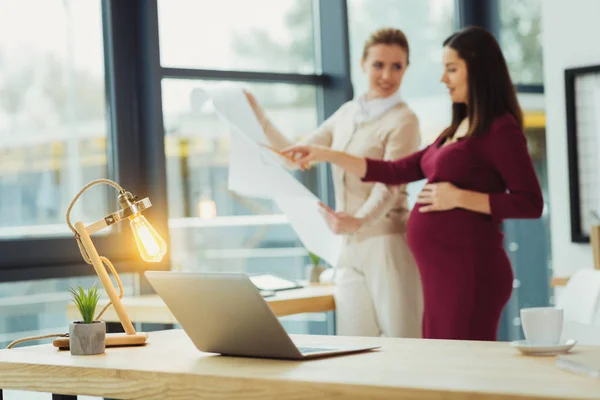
(152, 309)
(169, 366)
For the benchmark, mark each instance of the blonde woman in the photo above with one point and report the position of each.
(378, 290)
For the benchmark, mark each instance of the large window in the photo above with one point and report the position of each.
(211, 227)
(520, 38)
(52, 116)
(53, 140)
(197, 145)
(257, 35)
(426, 24)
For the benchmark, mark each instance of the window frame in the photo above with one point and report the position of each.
(486, 13)
(135, 162)
(136, 159)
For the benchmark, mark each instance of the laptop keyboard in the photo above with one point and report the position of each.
(305, 350)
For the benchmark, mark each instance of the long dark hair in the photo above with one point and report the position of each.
(491, 91)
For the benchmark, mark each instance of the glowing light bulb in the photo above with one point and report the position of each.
(207, 208)
(150, 245)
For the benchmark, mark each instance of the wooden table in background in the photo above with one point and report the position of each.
(152, 309)
(169, 366)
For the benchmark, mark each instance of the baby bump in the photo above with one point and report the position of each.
(455, 228)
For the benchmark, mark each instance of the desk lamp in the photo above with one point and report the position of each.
(151, 246)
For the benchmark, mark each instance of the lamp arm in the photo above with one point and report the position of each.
(99, 267)
(121, 289)
(72, 204)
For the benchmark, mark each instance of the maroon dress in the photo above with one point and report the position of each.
(467, 277)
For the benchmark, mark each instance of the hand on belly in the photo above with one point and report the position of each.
(441, 196)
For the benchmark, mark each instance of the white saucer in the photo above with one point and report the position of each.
(543, 350)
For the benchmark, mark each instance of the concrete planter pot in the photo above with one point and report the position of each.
(87, 339)
(313, 272)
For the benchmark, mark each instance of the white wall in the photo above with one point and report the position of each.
(570, 39)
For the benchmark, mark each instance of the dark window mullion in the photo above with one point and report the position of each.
(134, 101)
(484, 13)
(124, 68)
(335, 63)
(529, 88)
(246, 76)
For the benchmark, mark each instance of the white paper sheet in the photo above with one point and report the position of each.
(258, 172)
(253, 174)
(303, 213)
(231, 104)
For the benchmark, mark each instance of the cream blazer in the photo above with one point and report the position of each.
(392, 135)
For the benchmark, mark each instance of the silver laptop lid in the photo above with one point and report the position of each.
(223, 313)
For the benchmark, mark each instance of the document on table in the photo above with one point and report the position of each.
(255, 171)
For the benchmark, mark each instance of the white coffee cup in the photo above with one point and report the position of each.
(542, 325)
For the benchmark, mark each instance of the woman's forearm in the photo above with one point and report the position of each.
(353, 164)
(277, 139)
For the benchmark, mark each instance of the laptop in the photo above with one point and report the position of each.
(224, 313)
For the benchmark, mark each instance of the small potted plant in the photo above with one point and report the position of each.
(315, 269)
(86, 337)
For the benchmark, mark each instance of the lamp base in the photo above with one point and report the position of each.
(112, 340)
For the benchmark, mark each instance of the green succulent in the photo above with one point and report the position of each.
(86, 302)
(315, 259)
